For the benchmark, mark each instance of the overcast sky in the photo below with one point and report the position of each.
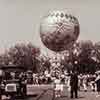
(19, 19)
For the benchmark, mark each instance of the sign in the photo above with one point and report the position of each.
(11, 88)
(32, 89)
(37, 89)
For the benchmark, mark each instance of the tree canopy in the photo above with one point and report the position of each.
(84, 56)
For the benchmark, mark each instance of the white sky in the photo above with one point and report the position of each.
(19, 19)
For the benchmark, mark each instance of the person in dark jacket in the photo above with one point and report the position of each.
(98, 84)
(74, 84)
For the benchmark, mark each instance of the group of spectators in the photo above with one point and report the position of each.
(90, 81)
(75, 82)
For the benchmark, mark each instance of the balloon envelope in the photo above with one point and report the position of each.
(58, 30)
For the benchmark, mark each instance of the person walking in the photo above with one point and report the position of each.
(85, 83)
(97, 81)
(74, 85)
(58, 87)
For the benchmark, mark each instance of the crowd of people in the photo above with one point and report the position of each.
(75, 82)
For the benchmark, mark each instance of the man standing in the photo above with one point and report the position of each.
(74, 84)
(98, 84)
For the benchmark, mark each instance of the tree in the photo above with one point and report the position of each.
(87, 64)
(97, 54)
(24, 55)
(45, 63)
(80, 57)
(4, 59)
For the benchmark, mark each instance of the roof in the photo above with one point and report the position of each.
(12, 67)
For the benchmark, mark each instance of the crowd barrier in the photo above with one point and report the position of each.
(38, 89)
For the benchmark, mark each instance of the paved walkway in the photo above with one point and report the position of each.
(48, 95)
(82, 96)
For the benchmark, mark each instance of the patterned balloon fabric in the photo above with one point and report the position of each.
(59, 31)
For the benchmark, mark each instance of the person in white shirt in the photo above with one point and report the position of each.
(58, 87)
